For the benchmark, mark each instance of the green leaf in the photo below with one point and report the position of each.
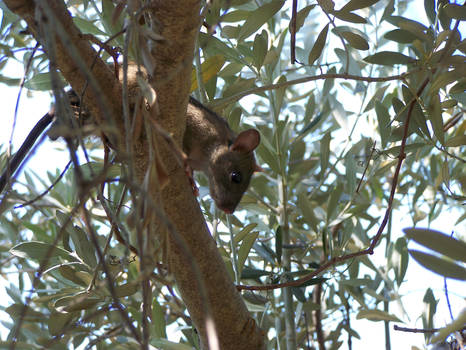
(235, 16)
(302, 15)
(358, 4)
(259, 17)
(312, 281)
(401, 248)
(246, 246)
(318, 47)
(455, 11)
(16, 311)
(84, 247)
(435, 117)
(389, 58)
(87, 27)
(217, 47)
(376, 315)
(429, 6)
(355, 40)
(349, 17)
(209, 69)
(459, 87)
(92, 169)
(249, 273)
(439, 242)
(456, 326)
(439, 265)
(324, 152)
(164, 344)
(356, 282)
(80, 301)
(307, 211)
(40, 82)
(260, 48)
(158, 320)
(19, 345)
(111, 25)
(71, 274)
(400, 36)
(243, 233)
(400, 21)
(456, 141)
(350, 172)
(333, 199)
(127, 289)
(383, 119)
(254, 298)
(58, 321)
(38, 251)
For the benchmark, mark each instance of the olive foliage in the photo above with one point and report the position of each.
(360, 106)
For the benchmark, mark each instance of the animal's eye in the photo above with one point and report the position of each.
(236, 177)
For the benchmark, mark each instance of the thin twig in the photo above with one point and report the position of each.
(294, 9)
(415, 330)
(318, 316)
(48, 189)
(240, 95)
(367, 166)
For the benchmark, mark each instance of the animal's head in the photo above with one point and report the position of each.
(231, 169)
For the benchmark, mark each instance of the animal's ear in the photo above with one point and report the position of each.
(246, 141)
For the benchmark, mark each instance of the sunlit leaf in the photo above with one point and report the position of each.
(258, 17)
(383, 119)
(400, 36)
(302, 15)
(358, 4)
(165, 344)
(429, 6)
(235, 16)
(38, 251)
(86, 26)
(209, 68)
(377, 315)
(401, 247)
(455, 326)
(260, 48)
(244, 232)
(17, 310)
(246, 246)
(456, 141)
(389, 58)
(40, 82)
(324, 152)
(439, 265)
(158, 320)
(349, 17)
(318, 46)
(58, 321)
(435, 117)
(355, 40)
(127, 289)
(455, 11)
(439, 242)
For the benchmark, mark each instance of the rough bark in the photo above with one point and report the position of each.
(179, 23)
